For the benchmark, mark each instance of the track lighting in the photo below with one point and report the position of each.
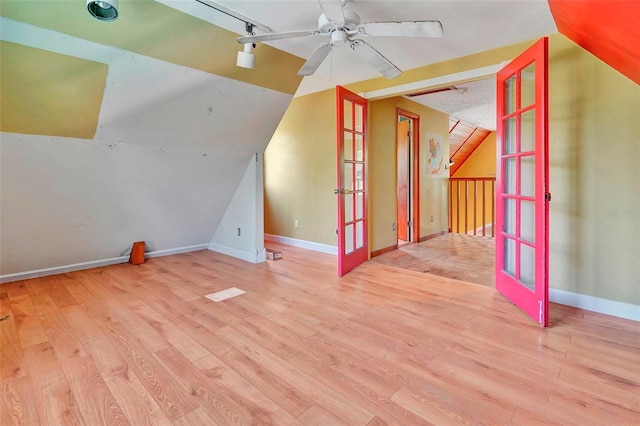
(103, 10)
(246, 59)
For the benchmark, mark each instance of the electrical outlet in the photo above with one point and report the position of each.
(296, 224)
(431, 218)
(239, 232)
(393, 226)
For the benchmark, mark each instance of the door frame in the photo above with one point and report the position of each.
(414, 171)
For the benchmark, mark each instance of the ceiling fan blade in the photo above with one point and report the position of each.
(277, 36)
(315, 59)
(332, 9)
(375, 58)
(402, 29)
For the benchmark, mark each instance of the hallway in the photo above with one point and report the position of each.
(463, 257)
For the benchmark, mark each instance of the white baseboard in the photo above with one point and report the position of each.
(179, 250)
(252, 257)
(262, 256)
(596, 304)
(93, 264)
(309, 245)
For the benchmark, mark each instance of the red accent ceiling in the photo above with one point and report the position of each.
(609, 29)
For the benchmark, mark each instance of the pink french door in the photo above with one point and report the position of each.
(351, 115)
(522, 183)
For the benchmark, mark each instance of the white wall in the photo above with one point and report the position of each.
(171, 147)
(241, 230)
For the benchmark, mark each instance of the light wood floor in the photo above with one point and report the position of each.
(462, 257)
(141, 345)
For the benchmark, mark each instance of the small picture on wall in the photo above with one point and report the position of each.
(434, 150)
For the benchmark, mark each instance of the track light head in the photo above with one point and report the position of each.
(246, 59)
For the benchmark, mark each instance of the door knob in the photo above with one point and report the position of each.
(343, 191)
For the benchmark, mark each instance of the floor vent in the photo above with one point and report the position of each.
(221, 295)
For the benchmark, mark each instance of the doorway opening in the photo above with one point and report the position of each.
(467, 255)
(407, 140)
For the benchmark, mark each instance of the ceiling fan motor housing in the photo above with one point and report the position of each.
(338, 38)
(351, 21)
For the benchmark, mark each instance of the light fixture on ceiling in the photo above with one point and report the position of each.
(235, 15)
(246, 59)
(103, 10)
(458, 90)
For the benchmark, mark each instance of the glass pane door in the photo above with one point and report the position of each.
(351, 190)
(522, 183)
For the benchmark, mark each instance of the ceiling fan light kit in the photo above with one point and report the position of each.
(348, 30)
(338, 38)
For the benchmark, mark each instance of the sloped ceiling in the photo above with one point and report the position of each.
(609, 29)
(153, 29)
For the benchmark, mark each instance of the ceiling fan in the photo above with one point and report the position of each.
(346, 29)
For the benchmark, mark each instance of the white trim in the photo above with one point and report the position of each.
(179, 250)
(62, 269)
(93, 264)
(597, 304)
(262, 256)
(255, 257)
(457, 77)
(309, 245)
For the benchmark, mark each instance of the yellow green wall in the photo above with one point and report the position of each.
(594, 156)
(382, 171)
(300, 171)
(46, 93)
(481, 163)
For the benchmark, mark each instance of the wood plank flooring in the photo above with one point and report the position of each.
(142, 345)
(462, 257)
